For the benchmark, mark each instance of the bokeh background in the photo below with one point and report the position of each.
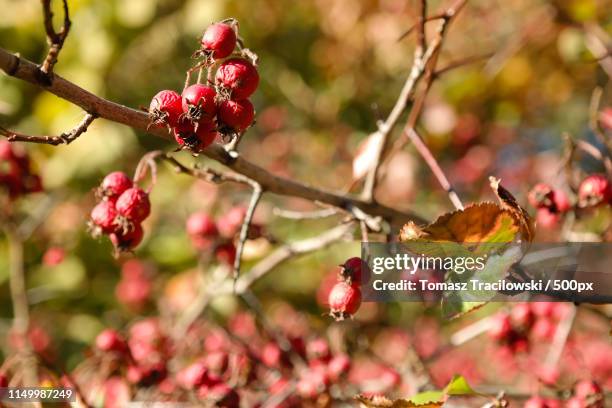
(330, 69)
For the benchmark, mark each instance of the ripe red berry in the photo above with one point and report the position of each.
(236, 116)
(103, 217)
(540, 196)
(522, 316)
(338, 366)
(229, 224)
(594, 190)
(536, 402)
(195, 138)
(193, 375)
(4, 382)
(134, 205)
(199, 102)
(586, 388)
(237, 78)
(355, 270)
(202, 230)
(501, 327)
(126, 240)
(166, 108)
(219, 39)
(110, 340)
(546, 218)
(114, 184)
(226, 253)
(560, 201)
(54, 256)
(344, 299)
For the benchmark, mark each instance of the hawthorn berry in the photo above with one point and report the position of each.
(344, 300)
(202, 229)
(522, 316)
(229, 224)
(501, 327)
(219, 39)
(540, 196)
(237, 79)
(193, 376)
(594, 190)
(125, 240)
(546, 218)
(226, 253)
(166, 108)
(54, 256)
(355, 270)
(338, 366)
(586, 388)
(4, 382)
(103, 218)
(195, 137)
(134, 205)
(114, 184)
(236, 116)
(110, 340)
(199, 102)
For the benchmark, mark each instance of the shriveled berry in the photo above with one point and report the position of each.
(166, 108)
(344, 300)
(114, 184)
(237, 78)
(127, 240)
(199, 102)
(202, 229)
(236, 116)
(219, 39)
(134, 204)
(110, 340)
(594, 190)
(103, 217)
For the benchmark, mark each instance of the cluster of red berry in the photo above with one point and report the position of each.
(535, 321)
(203, 111)
(585, 394)
(16, 175)
(345, 296)
(122, 209)
(551, 204)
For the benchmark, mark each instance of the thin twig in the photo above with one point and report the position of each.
(246, 224)
(304, 215)
(55, 39)
(64, 138)
(431, 161)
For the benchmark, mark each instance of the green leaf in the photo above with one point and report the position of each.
(459, 386)
(427, 398)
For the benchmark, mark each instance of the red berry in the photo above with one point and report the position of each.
(193, 375)
(166, 108)
(223, 395)
(199, 102)
(344, 299)
(271, 355)
(134, 204)
(236, 116)
(338, 366)
(127, 240)
(195, 138)
(133, 292)
(114, 184)
(201, 229)
(536, 402)
(54, 256)
(226, 253)
(540, 196)
(522, 316)
(318, 349)
(229, 224)
(103, 217)
(238, 78)
(501, 327)
(546, 218)
(220, 39)
(594, 190)
(560, 201)
(356, 270)
(110, 340)
(543, 329)
(586, 388)
(4, 382)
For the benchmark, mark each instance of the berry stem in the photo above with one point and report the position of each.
(244, 231)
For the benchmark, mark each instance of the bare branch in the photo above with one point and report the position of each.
(431, 161)
(462, 62)
(27, 71)
(305, 215)
(246, 223)
(64, 138)
(55, 39)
